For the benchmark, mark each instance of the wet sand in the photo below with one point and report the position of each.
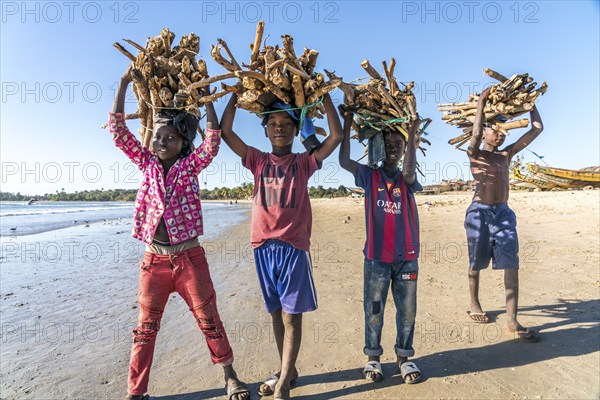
(68, 304)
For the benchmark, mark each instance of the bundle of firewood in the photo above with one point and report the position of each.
(162, 77)
(509, 99)
(274, 74)
(381, 103)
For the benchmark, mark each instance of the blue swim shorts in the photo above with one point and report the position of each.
(492, 234)
(285, 277)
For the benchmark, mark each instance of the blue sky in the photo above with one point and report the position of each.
(59, 72)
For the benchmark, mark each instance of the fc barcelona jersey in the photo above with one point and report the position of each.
(391, 216)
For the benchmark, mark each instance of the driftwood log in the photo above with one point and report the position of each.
(163, 76)
(381, 102)
(509, 99)
(273, 73)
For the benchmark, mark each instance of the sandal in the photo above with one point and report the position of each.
(271, 382)
(239, 389)
(481, 318)
(375, 368)
(408, 368)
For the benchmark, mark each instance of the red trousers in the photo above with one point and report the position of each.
(187, 274)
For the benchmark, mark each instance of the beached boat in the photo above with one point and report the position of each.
(524, 176)
(581, 177)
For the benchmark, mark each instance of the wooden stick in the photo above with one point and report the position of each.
(391, 81)
(213, 97)
(460, 138)
(296, 71)
(260, 27)
(327, 87)
(125, 52)
(520, 123)
(215, 52)
(286, 98)
(231, 57)
(207, 81)
(134, 44)
(251, 74)
(298, 90)
(312, 61)
(370, 70)
(497, 76)
(230, 88)
(387, 96)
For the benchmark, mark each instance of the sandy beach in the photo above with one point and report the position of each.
(68, 304)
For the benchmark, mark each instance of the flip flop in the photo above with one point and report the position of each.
(374, 366)
(481, 318)
(528, 336)
(271, 382)
(408, 368)
(240, 389)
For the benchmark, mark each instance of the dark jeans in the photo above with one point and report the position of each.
(403, 278)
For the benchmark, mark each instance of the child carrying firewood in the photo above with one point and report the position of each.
(490, 224)
(392, 244)
(168, 218)
(281, 225)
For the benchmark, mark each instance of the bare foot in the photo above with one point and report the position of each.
(281, 391)
(524, 334)
(476, 307)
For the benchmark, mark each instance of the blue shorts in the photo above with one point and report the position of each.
(285, 277)
(492, 234)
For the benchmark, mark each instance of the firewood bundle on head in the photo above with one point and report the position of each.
(509, 99)
(381, 104)
(275, 74)
(162, 76)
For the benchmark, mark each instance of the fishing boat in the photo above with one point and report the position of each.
(523, 175)
(577, 178)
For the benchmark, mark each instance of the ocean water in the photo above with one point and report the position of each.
(19, 219)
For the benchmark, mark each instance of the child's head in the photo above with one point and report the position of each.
(281, 125)
(394, 146)
(174, 134)
(492, 137)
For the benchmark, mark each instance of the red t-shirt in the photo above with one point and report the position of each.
(281, 207)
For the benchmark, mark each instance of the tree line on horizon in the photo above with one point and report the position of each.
(242, 192)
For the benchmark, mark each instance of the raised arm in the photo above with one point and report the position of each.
(202, 156)
(236, 144)
(123, 138)
(345, 161)
(409, 166)
(536, 128)
(335, 131)
(212, 121)
(473, 149)
(119, 102)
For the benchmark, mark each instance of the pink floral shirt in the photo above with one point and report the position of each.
(176, 197)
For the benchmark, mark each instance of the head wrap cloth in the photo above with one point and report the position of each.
(186, 124)
(306, 126)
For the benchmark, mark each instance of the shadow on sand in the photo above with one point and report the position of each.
(575, 331)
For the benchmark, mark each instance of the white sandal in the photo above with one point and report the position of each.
(374, 366)
(408, 368)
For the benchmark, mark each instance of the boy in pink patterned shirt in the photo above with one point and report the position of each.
(168, 218)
